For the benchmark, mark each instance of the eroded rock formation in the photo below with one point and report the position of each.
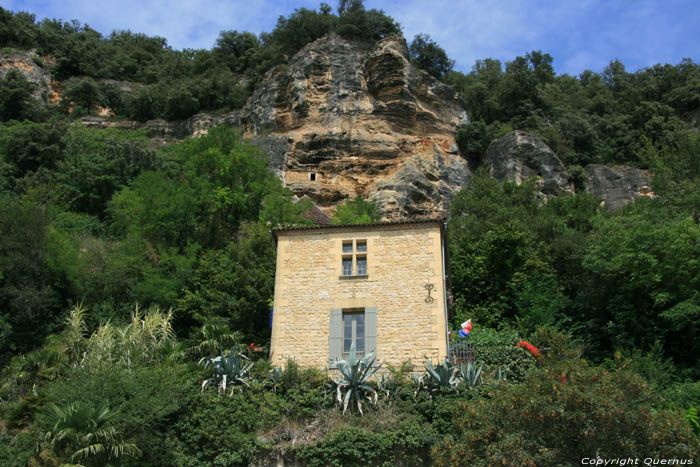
(28, 63)
(344, 119)
(617, 185)
(520, 156)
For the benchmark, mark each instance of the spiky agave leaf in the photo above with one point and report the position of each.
(354, 375)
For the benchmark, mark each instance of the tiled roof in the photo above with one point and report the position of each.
(340, 226)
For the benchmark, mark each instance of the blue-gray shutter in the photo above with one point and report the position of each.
(370, 330)
(335, 335)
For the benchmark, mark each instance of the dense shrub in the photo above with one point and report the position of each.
(562, 414)
(515, 362)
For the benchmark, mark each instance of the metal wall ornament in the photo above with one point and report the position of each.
(429, 288)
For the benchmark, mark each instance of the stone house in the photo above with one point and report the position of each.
(381, 287)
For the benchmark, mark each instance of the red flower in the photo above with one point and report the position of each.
(534, 351)
(252, 344)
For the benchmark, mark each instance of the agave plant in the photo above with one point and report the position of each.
(351, 386)
(469, 374)
(274, 377)
(501, 376)
(227, 371)
(438, 377)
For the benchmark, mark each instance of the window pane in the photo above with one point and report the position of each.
(347, 267)
(347, 343)
(347, 247)
(361, 266)
(361, 247)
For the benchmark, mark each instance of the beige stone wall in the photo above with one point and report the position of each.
(401, 260)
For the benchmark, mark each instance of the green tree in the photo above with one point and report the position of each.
(357, 211)
(566, 412)
(236, 49)
(429, 56)
(234, 283)
(16, 96)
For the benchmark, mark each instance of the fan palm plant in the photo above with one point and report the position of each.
(352, 385)
(212, 338)
(80, 433)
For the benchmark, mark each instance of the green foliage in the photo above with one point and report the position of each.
(30, 298)
(429, 56)
(644, 269)
(691, 415)
(17, 450)
(354, 446)
(474, 138)
(83, 93)
(352, 384)
(437, 378)
(469, 374)
(512, 360)
(675, 168)
(214, 183)
(235, 283)
(98, 163)
(145, 340)
(657, 369)
(564, 413)
(356, 211)
(212, 338)
(682, 395)
(28, 146)
(80, 433)
(483, 336)
(16, 97)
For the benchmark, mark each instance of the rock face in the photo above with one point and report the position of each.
(617, 185)
(46, 90)
(345, 119)
(520, 156)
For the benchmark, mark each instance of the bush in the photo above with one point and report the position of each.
(481, 336)
(405, 445)
(561, 415)
(682, 395)
(515, 362)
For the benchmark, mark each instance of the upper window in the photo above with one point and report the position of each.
(354, 258)
(347, 266)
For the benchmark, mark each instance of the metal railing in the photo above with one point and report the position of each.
(461, 352)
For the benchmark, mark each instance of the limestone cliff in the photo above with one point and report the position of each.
(345, 119)
(520, 156)
(36, 70)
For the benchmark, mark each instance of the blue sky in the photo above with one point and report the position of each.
(583, 34)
